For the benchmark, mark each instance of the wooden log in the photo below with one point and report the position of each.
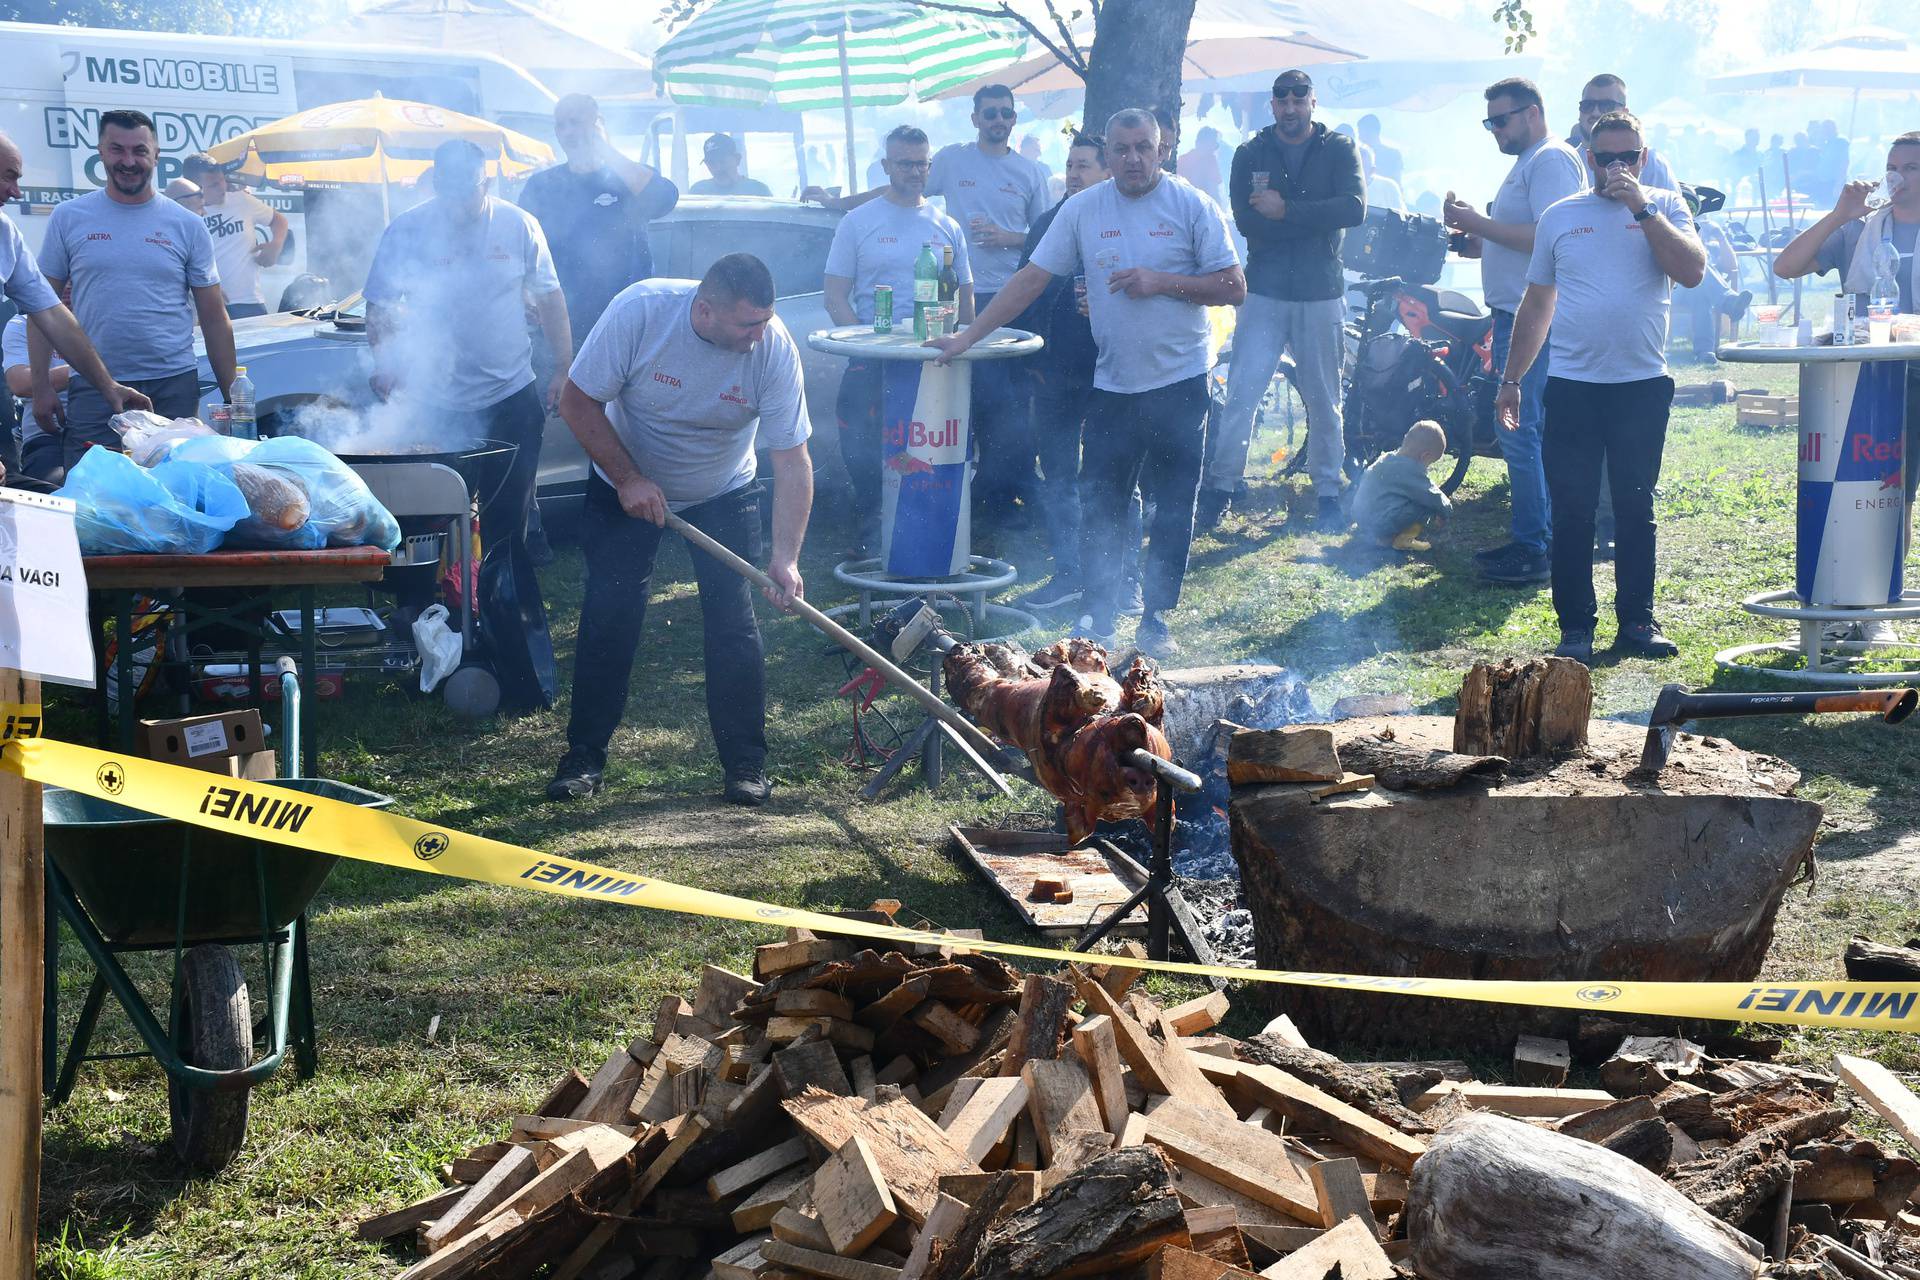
(1301, 753)
(1541, 1061)
(1111, 1214)
(1518, 709)
(1349, 1250)
(1202, 1013)
(1870, 961)
(850, 1193)
(1093, 1040)
(1039, 1023)
(1512, 1100)
(1375, 1090)
(1645, 1142)
(1499, 1199)
(1400, 767)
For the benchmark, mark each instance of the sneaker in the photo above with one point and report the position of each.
(1133, 605)
(1209, 508)
(1060, 593)
(1602, 549)
(749, 788)
(1327, 511)
(1153, 637)
(1577, 645)
(1493, 555)
(1520, 569)
(1087, 629)
(1644, 639)
(1876, 631)
(578, 775)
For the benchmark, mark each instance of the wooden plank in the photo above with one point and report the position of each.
(1300, 753)
(1196, 1189)
(1342, 1194)
(911, 1149)
(611, 1088)
(1200, 1014)
(455, 1258)
(23, 939)
(508, 1175)
(850, 1036)
(1514, 1100)
(683, 1132)
(1093, 1040)
(1175, 1263)
(1249, 1161)
(813, 1002)
(1039, 1022)
(955, 1033)
(762, 1205)
(1315, 1109)
(1059, 1098)
(1180, 1068)
(1156, 1069)
(800, 1227)
(813, 1263)
(540, 1128)
(1541, 1061)
(1026, 1144)
(850, 1193)
(566, 1095)
(948, 1213)
(776, 958)
(815, 1064)
(987, 1115)
(1351, 1247)
(744, 1261)
(667, 1016)
(963, 1089)
(720, 993)
(1881, 1090)
(397, 1222)
(757, 1169)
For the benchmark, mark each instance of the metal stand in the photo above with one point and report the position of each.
(1167, 910)
(925, 744)
(1826, 662)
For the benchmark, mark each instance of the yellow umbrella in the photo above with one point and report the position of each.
(374, 141)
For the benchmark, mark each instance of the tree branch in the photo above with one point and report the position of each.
(1074, 61)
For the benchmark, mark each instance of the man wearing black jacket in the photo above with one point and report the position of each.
(1294, 188)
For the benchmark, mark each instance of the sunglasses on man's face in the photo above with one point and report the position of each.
(997, 113)
(1293, 90)
(1499, 119)
(1601, 104)
(1607, 159)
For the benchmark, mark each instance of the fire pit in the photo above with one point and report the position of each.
(1574, 867)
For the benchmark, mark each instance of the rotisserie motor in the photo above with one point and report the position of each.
(1073, 719)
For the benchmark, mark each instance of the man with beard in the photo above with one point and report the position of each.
(1295, 187)
(1545, 171)
(1156, 254)
(669, 396)
(1607, 93)
(142, 270)
(446, 318)
(874, 245)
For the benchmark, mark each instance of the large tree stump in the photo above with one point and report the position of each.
(1496, 1199)
(1575, 870)
(1521, 709)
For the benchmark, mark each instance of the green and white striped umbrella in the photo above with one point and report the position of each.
(806, 54)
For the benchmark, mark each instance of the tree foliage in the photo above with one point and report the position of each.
(199, 17)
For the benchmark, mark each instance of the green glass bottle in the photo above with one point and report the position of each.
(926, 287)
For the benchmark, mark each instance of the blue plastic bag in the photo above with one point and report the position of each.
(342, 511)
(124, 509)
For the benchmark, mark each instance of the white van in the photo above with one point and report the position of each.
(55, 82)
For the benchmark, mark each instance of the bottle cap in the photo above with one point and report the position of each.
(239, 369)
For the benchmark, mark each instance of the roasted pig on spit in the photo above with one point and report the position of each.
(1076, 723)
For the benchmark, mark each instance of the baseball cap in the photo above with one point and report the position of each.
(457, 165)
(1293, 77)
(719, 144)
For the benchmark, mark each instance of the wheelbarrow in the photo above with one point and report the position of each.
(126, 881)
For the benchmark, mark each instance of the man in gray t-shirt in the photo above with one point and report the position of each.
(1156, 254)
(142, 272)
(669, 395)
(1602, 275)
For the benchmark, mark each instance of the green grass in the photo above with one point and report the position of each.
(525, 985)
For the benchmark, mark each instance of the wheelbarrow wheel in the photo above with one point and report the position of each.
(217, 1035)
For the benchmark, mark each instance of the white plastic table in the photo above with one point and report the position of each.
(926, 480)
(1851, 526)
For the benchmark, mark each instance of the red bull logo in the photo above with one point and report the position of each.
(1810, 442)
(1867, 449)
(909, 465)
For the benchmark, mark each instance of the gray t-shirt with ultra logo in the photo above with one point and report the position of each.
(1610, 320)
(1009, 191)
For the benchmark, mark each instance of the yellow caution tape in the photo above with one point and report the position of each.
(19, 720)
(273, 813)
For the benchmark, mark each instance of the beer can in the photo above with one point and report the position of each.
(1843, 320)
(883, 308)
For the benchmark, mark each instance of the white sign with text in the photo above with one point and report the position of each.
(43, 590)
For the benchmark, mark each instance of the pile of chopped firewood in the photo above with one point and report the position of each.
(853, 1114)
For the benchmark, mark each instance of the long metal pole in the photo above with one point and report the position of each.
(935, 707)
(846, 109)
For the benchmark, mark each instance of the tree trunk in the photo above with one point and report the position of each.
(1496, 1199)
(1520, 709)
(1138, 46)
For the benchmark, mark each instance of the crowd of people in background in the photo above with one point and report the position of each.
(1108, 442)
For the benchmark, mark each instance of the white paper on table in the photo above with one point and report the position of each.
(43, 590)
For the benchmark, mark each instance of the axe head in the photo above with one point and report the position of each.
(1662, 723)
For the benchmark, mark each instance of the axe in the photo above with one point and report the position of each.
(1675, 706)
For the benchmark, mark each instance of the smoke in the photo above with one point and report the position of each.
(399, 425)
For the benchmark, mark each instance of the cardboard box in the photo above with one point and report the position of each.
(210, 742)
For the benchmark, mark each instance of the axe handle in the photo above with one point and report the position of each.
(928, 699)
(1894, 705)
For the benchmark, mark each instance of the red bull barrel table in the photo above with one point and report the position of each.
(1851, 523)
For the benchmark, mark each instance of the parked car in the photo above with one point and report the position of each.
(320, 356)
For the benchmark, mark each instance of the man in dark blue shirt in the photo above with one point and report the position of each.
(594, 210)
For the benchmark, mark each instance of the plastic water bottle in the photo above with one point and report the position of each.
(241, 399)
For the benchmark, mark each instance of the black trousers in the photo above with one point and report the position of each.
(513, 616)
(620, 556)
(1624, 425)
(1156, 440)
(858, 409)
(175, 396)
